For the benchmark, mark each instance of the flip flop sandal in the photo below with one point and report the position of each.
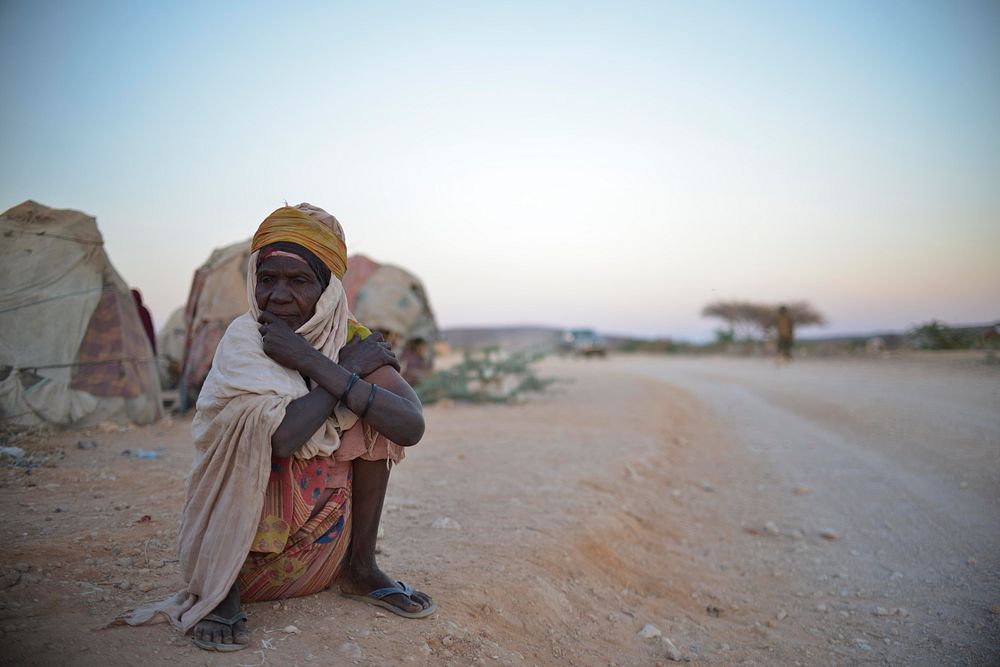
(376, 598)
(217, 646)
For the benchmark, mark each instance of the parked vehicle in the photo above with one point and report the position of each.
(584, 342)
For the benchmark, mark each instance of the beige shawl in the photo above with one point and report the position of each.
(241, 404)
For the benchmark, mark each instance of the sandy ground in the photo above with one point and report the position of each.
(690, 494)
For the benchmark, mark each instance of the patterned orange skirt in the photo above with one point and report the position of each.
(301, 546)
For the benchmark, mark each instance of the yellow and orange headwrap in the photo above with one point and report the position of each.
(312, 228)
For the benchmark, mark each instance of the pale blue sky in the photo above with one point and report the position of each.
(610, 165)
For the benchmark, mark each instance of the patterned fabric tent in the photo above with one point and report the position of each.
(73, 350)
(218, 296)
(392, 300)
(170, 349)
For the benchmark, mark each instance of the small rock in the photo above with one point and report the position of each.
(124, 585)
(276, 606)
(379, 614)
(862, 645)
(672, 651)
(713, 611)
(351, 651)
(781, 615)
(447, 523)
(771, 528)
(291, 630)
(971, 561)
(895, 611)
(447, 640)
(829, 534)
(616, 616)
(146, 586)
(86, 444)
(802, 490)
(426, 649)
(821, 608)
(895, 575)
(707, 487)
(649, 631)
(771, 623)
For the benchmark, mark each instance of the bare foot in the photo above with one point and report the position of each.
(214, 632)
(362, 581)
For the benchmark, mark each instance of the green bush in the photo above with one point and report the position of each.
(934, 335)
(486, 376)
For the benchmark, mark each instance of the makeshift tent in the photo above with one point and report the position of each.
(73, 350)
(218, 296)
(383, 297)
(170, 349)
(392, 300)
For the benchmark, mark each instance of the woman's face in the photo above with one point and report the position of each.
(288, 289)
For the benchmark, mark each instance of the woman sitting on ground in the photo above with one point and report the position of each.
(296, 430)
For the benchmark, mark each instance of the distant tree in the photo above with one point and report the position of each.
(754, 321)
(741, 318)
(935, 335)
(724, 336)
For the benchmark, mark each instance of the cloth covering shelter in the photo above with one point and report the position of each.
(170, 349)
(384, 298)
(218, 296)
(73, 351)
(393, 301)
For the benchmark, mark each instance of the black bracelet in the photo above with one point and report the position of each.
(350, 383)
(371, 399)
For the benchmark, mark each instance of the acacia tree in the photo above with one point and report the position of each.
(754, 321)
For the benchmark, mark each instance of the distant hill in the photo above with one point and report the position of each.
(522, 337)
(510, 338)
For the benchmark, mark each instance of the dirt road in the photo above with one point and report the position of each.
(689, 494)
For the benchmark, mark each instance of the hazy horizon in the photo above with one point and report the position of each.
(570, 164)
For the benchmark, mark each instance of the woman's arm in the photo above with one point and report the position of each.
(395, 411)
(303, 417)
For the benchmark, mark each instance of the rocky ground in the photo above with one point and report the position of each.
(646, 509)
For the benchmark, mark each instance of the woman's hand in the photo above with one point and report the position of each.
(368, 355)
(282, 344)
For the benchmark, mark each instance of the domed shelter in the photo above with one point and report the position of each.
(384, 298)
(170, 349)
(73, 349)
(218, 296)
(393, 301)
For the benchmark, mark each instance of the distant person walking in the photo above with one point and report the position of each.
(786, 332)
